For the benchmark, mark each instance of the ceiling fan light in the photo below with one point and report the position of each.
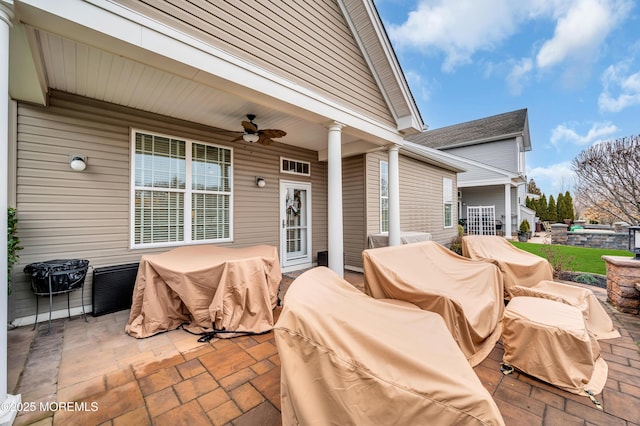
(250, 137)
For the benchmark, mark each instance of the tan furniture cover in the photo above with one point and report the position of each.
(466, 293)
(549, 340)
(235, 288)
(349, 359)
(596, 318)
(406, 237)
(518, 266)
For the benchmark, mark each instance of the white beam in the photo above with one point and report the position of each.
(507, 211)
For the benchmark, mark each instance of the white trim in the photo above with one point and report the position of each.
(187, 208)
(307, 260)
(44, 316)
(447, 188)
(282, 170)
(380, 195)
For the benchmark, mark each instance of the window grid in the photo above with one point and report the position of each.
(163, 184)
(384, 196)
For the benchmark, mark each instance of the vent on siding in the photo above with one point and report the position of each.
(113, 288)
(295, 167)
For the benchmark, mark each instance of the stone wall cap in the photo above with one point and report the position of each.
(622, 261)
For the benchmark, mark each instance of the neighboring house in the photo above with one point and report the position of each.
(492, 190)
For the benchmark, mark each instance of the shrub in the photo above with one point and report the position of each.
(13, 243)
(456, 242)
(559, 262)
(525, 227)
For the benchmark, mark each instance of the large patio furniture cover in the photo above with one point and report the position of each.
(549, 340)
(235, 288)
(596, 318)
(518, 266)
(466, 293)
(349, 359)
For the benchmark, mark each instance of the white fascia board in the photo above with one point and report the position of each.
(483, 182)
(138, 30)
(409, 124)
(430, 155)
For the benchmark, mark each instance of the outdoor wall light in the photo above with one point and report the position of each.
(261, 182)
(634, 240)
(78, 163)
(250, 137)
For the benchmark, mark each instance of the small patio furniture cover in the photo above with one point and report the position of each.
(235, 288)
(596, 318)
(518, 266)
(466, 293)
(406, 237)
(349, 359)
(549, 340)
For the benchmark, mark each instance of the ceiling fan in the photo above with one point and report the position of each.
(252, 134)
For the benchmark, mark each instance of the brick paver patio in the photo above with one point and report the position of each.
(171, 379)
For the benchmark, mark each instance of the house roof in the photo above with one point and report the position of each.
(496, 127)
(432, 156)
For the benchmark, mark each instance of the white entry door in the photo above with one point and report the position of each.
(295, 219)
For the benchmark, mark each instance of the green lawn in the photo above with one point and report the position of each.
(584, 259)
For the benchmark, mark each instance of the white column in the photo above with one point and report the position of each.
(8, 403)
(334, 205)
(507, 211)
(394, 197)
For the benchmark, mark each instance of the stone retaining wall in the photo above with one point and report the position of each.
(623, 275)
(591, 239)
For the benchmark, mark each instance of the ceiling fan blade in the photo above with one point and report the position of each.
(249, 126)
(265, 140)
(239, 138)
(273, 133)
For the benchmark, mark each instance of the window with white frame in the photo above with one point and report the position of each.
(447, 199)
(182, 191)
(384, 196)
(296, 167)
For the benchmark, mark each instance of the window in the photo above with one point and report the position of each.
(182, 191)
(384, 196)
(447, 198)
(295, 167)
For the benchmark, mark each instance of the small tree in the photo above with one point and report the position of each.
(608, 178)
(542, 208)
(552, 214)
(532, 188)
(568, 201)
(560, 208)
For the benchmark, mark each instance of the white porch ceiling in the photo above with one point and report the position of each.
(81, 69)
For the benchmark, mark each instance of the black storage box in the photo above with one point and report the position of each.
(65, 275)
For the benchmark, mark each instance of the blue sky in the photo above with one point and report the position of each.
(575, 64)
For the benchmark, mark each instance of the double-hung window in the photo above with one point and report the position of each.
(182, 191)
(447, 197)
(384, 196)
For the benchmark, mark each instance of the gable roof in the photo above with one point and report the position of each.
(497, 127)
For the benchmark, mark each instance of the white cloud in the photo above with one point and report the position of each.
(519, 75)
(457, 28)
(460, 28)
(580, 32)
(419, 86)
(563, 134)
(554, 178)
(619, 79)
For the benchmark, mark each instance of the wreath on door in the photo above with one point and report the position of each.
(294, 203)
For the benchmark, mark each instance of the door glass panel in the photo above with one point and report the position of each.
(296, 223)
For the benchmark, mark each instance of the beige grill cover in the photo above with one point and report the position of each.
(518, 266)
(596, 318)
(548, 340)
(349, 359)
(466, 293)
(237, 288)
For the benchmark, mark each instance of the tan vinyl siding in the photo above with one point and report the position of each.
(305, 41)
(421, 203)
(353, 194)
(67, 214)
